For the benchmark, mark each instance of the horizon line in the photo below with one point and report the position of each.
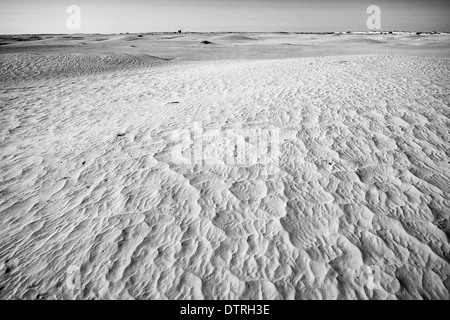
(203, 32)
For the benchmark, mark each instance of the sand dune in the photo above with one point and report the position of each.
(231, 46)
(234, 37)
(101, 177)
(16, 67)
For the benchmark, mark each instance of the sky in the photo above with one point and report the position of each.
(120, 16)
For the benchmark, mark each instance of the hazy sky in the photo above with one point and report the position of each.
(114, 16)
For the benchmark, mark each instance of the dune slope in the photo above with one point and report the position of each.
(121, 179)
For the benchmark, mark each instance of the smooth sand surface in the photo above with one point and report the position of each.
(96, 137)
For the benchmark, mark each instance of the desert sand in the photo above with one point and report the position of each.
(225, 166)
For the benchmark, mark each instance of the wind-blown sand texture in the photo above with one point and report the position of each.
(92, 174)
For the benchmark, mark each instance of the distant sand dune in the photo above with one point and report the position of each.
(27, 66)
(234, 37)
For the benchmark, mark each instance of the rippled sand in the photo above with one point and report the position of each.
(98, 182)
